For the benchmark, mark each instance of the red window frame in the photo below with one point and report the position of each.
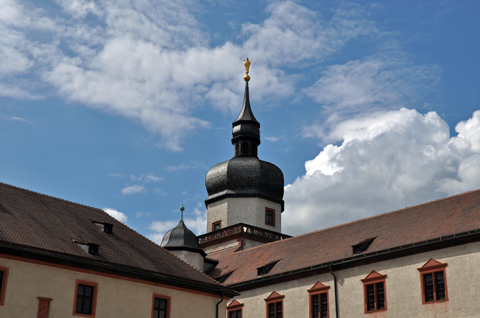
(373, 279)
(167, 298)
(235, 307)
(215, 223)
(273, 216)
(431, 267)
(275, 298)
(3, 288)
(318, 289)
(94, 299)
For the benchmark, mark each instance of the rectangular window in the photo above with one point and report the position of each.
(434, 286)
(319, 305)
(161, 306)
(374, 292)
(433, 282)
(3, 284)
(85, 298)
(216, 226)
(269, 216)
(375, 296)
(275, 310)
(235, 314)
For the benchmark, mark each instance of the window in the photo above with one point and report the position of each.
(362, 246)
(374, 292)
(161, 306)
(434, 282)
(3, 284)
(319, 301)
(234, 309)
(216, 226)
(269, 216)
(266, 268)
(85, 298)
(275, 305)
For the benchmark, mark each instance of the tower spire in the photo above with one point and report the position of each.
(246, 128)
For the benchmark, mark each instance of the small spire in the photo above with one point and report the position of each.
(182, 208)
(247, 68)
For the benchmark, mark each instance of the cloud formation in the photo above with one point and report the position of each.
(133, 189)
(385, 161)
(151, 62)
(117, 215)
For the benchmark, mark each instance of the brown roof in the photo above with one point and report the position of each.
(50, 225)
(448, 216)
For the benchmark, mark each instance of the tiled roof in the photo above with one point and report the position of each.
(448, 216)
(50, 225)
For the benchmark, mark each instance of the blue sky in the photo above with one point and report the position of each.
(367, 107)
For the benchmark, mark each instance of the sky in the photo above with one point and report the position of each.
(366, 106)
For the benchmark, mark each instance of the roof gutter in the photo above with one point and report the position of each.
(413, 248)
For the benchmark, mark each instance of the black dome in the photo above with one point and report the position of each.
(181, 238)
(245, 176)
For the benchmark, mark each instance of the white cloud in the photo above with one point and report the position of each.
(385, 161)
(150, 177)
(133, 189)
(197, 223)
(152, 63)
(186, 166)
(117, 215)
(384, 81)
(294, 34)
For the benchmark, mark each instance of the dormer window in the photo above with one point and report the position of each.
(104, 226)
(90, 248)
(266, 269)
(362, 246)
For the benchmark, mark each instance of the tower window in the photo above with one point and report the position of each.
(269, 216)
(216, 226)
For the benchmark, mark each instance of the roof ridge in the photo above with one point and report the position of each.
(361, 220)
(52, 197)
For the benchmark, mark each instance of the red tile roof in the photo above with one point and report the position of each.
(50, 225)
(455, 214)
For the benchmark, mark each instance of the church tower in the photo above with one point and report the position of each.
(245, 189)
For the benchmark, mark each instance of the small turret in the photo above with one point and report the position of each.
(183, 243)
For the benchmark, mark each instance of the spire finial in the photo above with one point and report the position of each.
(247, 67)
(182, 208)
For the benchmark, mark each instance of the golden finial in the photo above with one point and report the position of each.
(247, 67)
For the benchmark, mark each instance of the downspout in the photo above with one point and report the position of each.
(216, 311)
(335, 289)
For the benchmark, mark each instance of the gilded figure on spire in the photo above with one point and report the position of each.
(247, 68)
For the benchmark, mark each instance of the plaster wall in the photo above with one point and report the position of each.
(403, 288)
(192, 258)
(251, 211)
(116, 297)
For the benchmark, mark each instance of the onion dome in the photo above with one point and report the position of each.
(245, 175)
(181, 238)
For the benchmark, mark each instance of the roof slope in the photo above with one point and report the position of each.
(456, 214)
(35, 220)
